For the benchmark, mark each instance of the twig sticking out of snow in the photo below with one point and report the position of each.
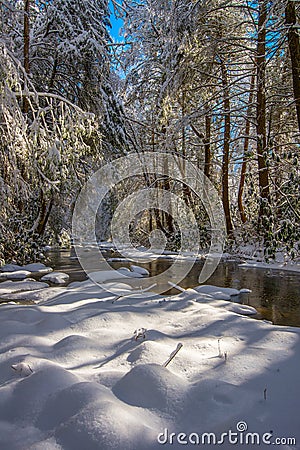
(23, 369)
(132, 294)
(219, 349)
(265, 394)
(176, 286)
(173, 354)
(140, 333)
(148, 288)
(225, 356)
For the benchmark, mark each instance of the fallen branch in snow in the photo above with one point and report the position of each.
(173, 354)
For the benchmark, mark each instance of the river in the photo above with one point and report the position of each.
(275, 294)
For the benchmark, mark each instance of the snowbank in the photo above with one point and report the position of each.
(33, 268)
(291, 267)
(16, 275)
(75, 373)
(8, 287)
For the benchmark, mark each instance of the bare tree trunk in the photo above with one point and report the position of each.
(263, 173)
(226, 150)
(183, 131)
(53, 74)
(294, 47)
(167, 218)
(207, 149)
(206, 141)
(44, 213)
(26, 48)
(246, 148)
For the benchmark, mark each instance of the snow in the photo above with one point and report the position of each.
(140, 270)
(23, 369)
(36, 296)
(106, 275)
(291, 267)
(10, 268)
(241, 309)
(56, 277)
(8, 287)
(17, 275)
(128, 273)
(245, 291)
(84, 369)
(219, 293)
(37, 268)
(32, 268)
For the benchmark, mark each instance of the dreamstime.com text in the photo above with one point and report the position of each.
(240, 436)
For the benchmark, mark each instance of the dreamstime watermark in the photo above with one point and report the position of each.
(240, 436)
(162, 165)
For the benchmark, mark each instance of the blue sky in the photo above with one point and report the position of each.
(116, 25)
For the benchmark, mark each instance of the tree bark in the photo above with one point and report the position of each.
(226, 150)
(246, 148)
(263, 173)
(294, 47)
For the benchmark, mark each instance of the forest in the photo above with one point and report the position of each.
(149, 224)
(216, 82)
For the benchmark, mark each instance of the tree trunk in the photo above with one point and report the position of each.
(26, 48)
(294, 47)
(246, 148)
(263, 173)
(207, 149)
(53, 74)
(42, 219)
(206, 141)
(167, 219)
(225, 162)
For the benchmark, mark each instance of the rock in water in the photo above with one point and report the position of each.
(140, 270)
(17, 275)
(56, 277)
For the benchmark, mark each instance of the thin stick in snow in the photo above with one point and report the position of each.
(176, 286)
(173, 354)
(219, 348)
(132, 294)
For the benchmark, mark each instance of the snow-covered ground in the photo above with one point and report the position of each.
(85, 369)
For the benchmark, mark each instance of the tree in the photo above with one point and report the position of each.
(226, 149)
(263, 173)
(245, 151)
(51, 140)
(294, 48)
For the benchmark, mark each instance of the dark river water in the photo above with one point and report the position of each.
(275, 294)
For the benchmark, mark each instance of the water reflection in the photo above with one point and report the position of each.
(275, 294)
